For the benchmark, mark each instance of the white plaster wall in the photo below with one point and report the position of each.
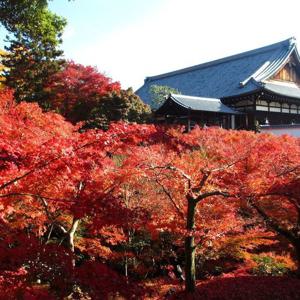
(294, 131)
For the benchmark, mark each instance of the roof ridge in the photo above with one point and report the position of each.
(288, 42)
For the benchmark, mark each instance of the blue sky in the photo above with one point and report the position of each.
(96, 19)
(131, 39)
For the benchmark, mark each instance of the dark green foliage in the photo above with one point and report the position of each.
(34, 37)
(118, 105)
(267, 265)
(16, 13)
(158, 94)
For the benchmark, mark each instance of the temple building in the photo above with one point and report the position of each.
(260, 87)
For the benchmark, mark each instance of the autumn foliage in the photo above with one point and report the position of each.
(93, 214)
(75, 90)
(82, 93)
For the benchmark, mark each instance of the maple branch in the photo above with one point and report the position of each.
(4, 185)
(290, 198)
(44, 164)
(71, 233)
(50, 232)
(203, 180)
(68, 235)
(171, 199)
(36, 196)
(206, 173)
(275, 226)
(183, 174)
(110, 189)
(297, 206)
(74, 225)
(63, 229)
(170, 167)
(201, 240)
(45, 205)
(234, 162)
(210, 194)
(287, 171)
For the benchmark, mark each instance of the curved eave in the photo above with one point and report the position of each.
(286, 92)
(256, 89)
(197, 104)
(269, 69)
(274, 67)
(290, 93)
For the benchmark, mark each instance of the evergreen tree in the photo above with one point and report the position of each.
(158, 94)
(33, 52)
(118, 105)
(16, 13)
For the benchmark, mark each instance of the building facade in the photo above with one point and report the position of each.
(243, 91)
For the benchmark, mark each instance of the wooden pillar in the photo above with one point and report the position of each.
(232, 121)
(189, 120)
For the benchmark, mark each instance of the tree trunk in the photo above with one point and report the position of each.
(190, 266)
(70, 237)
(71, 233)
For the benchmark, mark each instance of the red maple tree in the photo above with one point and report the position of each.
(72, 203)
(76, 89)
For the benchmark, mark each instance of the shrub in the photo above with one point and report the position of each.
(267, 265)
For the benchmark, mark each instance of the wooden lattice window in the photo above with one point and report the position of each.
(285, 108)
(275, 106)
(293, 108)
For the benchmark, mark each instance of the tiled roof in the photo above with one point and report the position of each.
(229, 76)
(200, 104)
(284, 90)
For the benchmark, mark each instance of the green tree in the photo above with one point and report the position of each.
(33, 53)
(118, 105)
(16, 13)
(158, 94)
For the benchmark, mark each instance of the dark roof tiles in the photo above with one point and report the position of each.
(229, 76)
(201, 104)
(284, 90)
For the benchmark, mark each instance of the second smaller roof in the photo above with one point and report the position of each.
(202, 104)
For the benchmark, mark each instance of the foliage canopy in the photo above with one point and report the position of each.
(119, 201)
